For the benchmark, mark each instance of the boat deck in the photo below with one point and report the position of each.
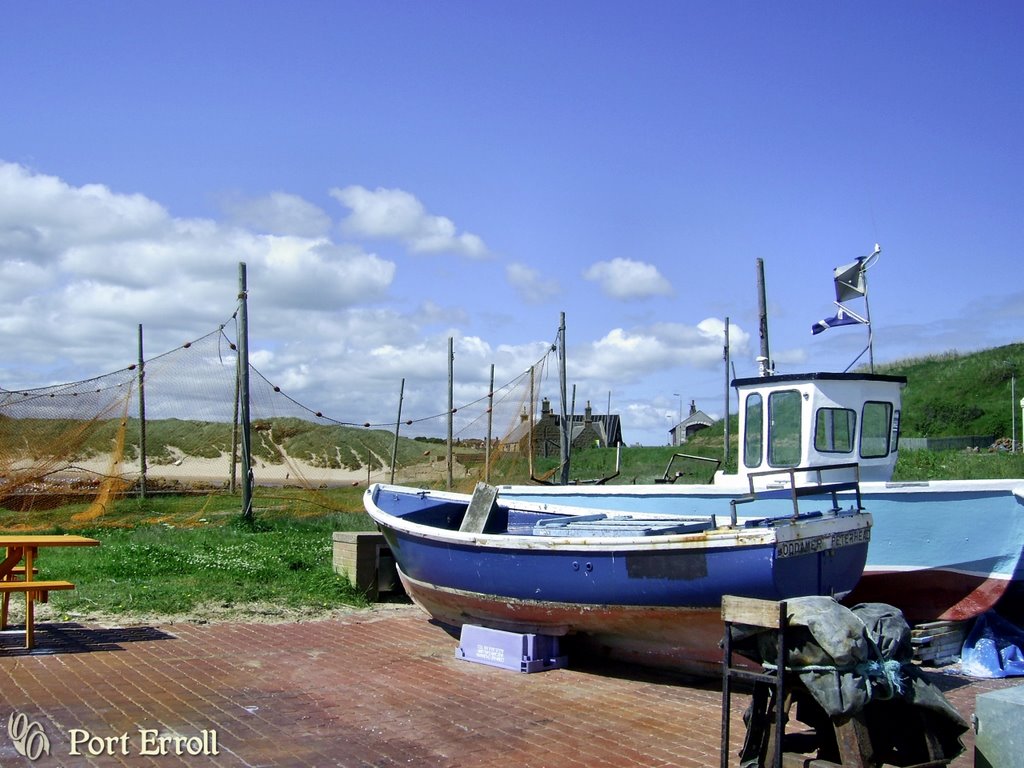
(380, 687)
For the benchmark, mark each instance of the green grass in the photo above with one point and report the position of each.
(188, 565)
(958, 465)
(166, 570)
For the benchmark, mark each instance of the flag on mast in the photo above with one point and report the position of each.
(843, 316)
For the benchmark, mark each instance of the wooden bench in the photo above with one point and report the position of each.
(16, 574)
(34, 590)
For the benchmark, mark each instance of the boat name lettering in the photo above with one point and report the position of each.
(817, 544)
(803, 546)
(849, 538)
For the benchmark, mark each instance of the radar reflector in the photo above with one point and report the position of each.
(850, 281)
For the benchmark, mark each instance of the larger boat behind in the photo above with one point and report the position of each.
(947, 549)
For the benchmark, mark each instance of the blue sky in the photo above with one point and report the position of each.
(397, 173)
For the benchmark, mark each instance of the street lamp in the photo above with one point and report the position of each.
(1013, 411)
(678, 438)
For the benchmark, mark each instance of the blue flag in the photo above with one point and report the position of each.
(842, 317)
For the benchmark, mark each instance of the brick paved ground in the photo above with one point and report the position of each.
(380, 688)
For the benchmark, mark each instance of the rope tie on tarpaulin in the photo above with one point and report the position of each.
(880, 674)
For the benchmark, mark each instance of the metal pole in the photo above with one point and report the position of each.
(142, 419)
(725, 354)
(867, 316)
(1013, 412)
(243, 383)
(762, 305)
(451, 403)
(565, 421)
(490, 425)
(398, 423)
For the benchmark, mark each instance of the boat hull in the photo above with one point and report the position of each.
(652, 599)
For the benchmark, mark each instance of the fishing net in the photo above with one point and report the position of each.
(171, 424)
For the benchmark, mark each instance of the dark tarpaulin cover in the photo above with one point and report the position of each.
(855, 661)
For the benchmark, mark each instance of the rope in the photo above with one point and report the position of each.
(878, 673)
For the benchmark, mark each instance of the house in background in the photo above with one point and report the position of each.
(691, 425)
(585, 431)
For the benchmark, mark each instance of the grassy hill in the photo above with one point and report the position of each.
(962, 394)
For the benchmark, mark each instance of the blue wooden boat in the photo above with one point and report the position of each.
(940, 550)
(641, 587)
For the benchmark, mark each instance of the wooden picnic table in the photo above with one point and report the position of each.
(18, 571)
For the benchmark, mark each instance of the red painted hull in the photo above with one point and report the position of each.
(682, 639)
(929, 595)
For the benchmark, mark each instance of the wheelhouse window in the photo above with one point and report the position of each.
(753, 431)
(784, 422)
(834, 430)
(876, 423)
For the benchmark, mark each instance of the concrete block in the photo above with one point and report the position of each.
(365, 559)
(999, 740)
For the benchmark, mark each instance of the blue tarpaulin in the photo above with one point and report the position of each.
(993, 648)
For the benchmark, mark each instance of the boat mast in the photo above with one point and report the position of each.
(725, 356)
(765, 359)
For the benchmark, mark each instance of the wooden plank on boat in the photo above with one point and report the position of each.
(482, 506)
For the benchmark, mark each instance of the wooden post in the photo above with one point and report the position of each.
(762, 305)
(142, 419)
(451, 404)
(398, 423)
(490, 424)
(233, 485)
(529, 421)
(243, 383)
(566, 427)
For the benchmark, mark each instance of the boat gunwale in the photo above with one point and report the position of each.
(715, 538)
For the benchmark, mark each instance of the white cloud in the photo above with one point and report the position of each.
(630, 355)
(278, 213)
(531, 285)
(396, 214)
(41, 216)
(84, 265)
(626, 279)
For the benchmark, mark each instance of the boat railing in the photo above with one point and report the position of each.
(687, 457)
(816, 487)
